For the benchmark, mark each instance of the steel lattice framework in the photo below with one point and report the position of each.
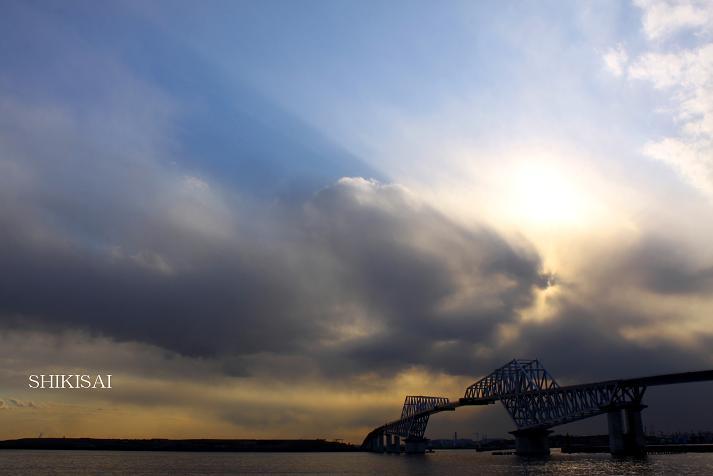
(534, 400)
(515, 377)
(414, 415)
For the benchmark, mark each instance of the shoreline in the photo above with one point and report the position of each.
(189, 445)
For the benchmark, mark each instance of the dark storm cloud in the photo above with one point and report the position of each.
(393, 261)
(584, 343)
(132, 214)
(104, 224)
(669, 267)
(434, 290)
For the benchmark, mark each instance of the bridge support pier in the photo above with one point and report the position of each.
(532, 443)
(416, 446)
(633, 442)
(376, 444)
(617, 445)
(393, 445)
(635, 437)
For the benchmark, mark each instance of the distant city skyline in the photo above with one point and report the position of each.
(276, 219)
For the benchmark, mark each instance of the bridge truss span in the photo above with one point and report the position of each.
(558, 406)
(414, 415)
(515, 377)
(536, 402)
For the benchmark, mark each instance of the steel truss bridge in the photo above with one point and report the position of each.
(536, 403)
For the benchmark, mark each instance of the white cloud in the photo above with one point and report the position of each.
(686, 76)
(615, 60)
(692, 160)
(663, 18)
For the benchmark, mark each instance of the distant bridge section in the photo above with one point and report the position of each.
(536, 403)
(411, 426)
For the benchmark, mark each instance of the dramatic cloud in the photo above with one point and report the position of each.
(431, 292)
(180, 205)
(366, 270)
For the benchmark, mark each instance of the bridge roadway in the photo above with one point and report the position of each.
(536, 403)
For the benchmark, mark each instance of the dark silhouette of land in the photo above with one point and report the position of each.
(693, 442)
(176, 445)
(675, 443)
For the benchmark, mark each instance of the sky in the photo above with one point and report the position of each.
(276, 219)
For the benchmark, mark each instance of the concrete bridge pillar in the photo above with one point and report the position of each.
(392, 444)
(415, 446)
(532, 443)
(374, 446)
(633, 441)
(616, 433)
(635, 437)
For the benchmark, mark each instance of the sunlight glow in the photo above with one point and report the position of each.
(543, 194)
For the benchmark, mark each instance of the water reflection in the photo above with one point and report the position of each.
(463, 462)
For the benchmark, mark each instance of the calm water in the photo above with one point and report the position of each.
(39, 463)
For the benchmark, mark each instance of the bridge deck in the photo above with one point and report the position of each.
(648, 381)
(652, 380)
(675, 378)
